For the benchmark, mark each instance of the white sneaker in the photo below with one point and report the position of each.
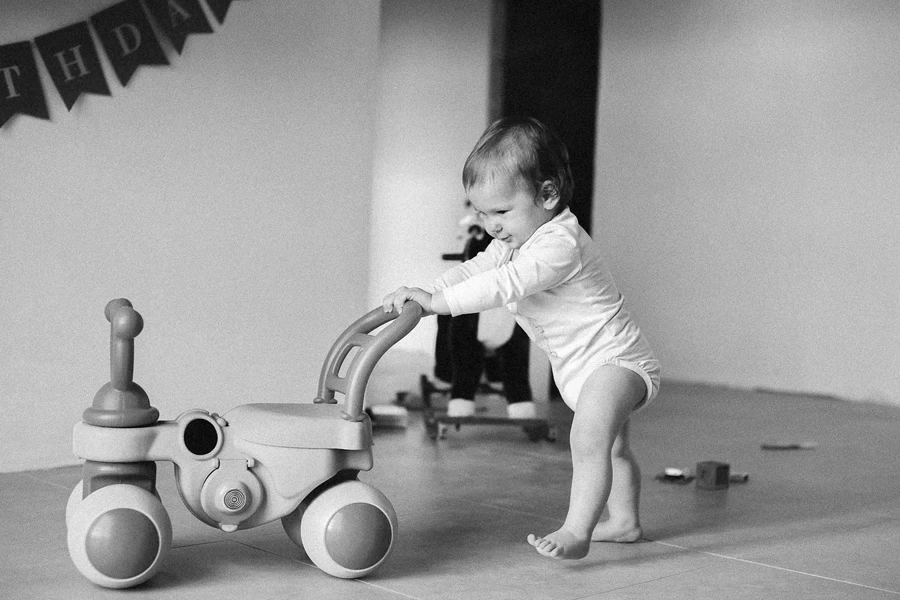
(522, 410)
(459, 407)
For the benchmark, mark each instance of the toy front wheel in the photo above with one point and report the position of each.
(74, 501)
(119, 535)
(348, 530)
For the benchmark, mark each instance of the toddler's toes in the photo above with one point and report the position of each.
(543, 545)
(549, 548)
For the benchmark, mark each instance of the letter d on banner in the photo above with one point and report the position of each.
(128, 39)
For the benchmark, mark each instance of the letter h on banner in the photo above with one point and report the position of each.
(71, 58)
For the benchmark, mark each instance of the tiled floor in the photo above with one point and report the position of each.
(809, 524)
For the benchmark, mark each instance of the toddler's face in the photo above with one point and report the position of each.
(510, 209)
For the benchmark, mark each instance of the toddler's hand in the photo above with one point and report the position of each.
(397, 299)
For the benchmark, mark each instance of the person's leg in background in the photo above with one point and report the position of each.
(516, 385)
(467, 360)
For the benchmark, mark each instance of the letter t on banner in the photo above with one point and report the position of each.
(71, 58)
(20, 83)
(128, 39)
(178, 19)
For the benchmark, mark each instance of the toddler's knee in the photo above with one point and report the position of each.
(589, 446)
(621, 449)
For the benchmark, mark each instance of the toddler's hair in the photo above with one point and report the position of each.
(525, 147)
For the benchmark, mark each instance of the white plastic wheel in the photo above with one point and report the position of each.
(119, 535)
(291, 523)
(74, 500)
(349, 529)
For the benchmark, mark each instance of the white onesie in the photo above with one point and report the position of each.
(562, 294)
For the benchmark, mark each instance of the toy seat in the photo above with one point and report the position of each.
(294, 425)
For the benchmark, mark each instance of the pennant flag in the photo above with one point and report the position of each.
(20, 83)
(178, 19)
(219, 8)
(71, 58)
(128, 39)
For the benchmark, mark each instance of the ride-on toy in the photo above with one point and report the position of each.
(297, 462)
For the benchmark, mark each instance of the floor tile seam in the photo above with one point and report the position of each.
(776, 567)
(526, 513)
(206, 543)
(45, 481)
(313, 566)
(640, 583)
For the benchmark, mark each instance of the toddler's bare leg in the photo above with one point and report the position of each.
(606, 401)
(623, 523)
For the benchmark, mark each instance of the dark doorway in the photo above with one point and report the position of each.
(546, 56)
(546, 64)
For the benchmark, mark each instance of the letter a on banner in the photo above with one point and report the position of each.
(20, 83)
(219, 8)
(178, 19)
(128, 39)
(71, 58)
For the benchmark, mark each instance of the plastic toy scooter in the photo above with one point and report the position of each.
(297, 462)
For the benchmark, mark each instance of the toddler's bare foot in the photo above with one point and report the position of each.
(611, 531)
(560, 544)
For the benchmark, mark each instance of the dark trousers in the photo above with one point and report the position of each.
(461, 360)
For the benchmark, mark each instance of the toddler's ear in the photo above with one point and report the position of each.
(549, 195)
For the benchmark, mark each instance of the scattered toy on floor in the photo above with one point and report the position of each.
(684, 476)
(712, 475)
(789, 446)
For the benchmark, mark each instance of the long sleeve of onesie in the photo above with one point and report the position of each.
(499, 275)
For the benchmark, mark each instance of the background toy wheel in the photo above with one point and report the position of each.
(119, 535)
(540, 432)
(431, 427)
(348, 530)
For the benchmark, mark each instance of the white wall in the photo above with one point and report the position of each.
(432, 107)
(747, 187)
(226, 195)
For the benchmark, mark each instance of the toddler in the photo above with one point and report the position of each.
(548, 272)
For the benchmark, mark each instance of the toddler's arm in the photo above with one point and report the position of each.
(433, 304)
(432, 299)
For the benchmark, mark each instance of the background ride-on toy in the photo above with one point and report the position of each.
(297, 462)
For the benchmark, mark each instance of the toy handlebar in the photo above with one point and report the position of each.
(371, 349)
(126, 324)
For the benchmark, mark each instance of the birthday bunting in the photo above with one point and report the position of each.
(178, 19)
(219, 8)
(20, 83)
(128, 39)
(72, 59)
(73, 63)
